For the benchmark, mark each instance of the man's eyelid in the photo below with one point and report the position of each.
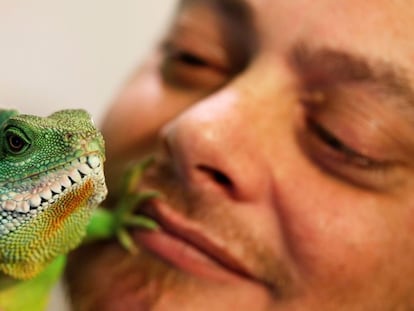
(228, 26)
(337, 144)
(197, 24)
(192, 60)
(352, 168)
(208, 49)
(398, 141)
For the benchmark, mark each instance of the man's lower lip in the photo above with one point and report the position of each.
(182, 255)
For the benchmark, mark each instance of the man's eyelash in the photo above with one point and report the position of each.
(350, 155)
(190, 59)
(187, 58)
(328, 138)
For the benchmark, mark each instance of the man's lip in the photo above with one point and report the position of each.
(173, 226)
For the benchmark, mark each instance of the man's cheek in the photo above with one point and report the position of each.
(351, 247)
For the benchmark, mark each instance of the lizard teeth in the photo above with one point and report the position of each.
(75, 176)
(22, 207)
(18, 197)
(9, 205)
(56, 187)
(50, 187)
(93, 161)
(85, 169)
(65, 182)
(46, 194)
(35, 200)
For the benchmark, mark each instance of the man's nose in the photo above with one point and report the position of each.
(213, 146)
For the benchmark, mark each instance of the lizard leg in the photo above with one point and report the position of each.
(109, 223)
(127, 219)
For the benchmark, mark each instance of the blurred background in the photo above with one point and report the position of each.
(73, 54)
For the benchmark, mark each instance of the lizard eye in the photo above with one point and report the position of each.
(15, 142)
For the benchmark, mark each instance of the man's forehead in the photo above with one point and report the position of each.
(219, 4)
(324, 21)
(400, 13)
(402, 9)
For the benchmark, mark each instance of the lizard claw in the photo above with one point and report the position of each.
(126, 218)
(127, 205)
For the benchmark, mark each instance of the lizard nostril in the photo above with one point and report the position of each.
(68, 136)
(217, 176)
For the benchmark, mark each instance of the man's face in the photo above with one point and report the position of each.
(283, 138)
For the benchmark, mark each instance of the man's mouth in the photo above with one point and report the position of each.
(185, 245)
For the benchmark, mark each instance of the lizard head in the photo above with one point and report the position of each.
(51, 178)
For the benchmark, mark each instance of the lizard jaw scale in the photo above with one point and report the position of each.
(21, 205)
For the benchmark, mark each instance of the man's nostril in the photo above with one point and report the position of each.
(217, 176)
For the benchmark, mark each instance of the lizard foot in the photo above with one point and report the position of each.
(108, 223)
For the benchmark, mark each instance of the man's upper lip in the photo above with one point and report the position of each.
(193, 234)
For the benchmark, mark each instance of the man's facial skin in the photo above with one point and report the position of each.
(283, 136)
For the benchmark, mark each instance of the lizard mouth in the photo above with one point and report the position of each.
(31, 198)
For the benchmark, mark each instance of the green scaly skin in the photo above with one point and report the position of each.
(51, 182)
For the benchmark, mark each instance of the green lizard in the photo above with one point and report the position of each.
(51, 181)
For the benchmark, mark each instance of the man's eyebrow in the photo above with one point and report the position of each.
(330, 66)
(237, 9)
